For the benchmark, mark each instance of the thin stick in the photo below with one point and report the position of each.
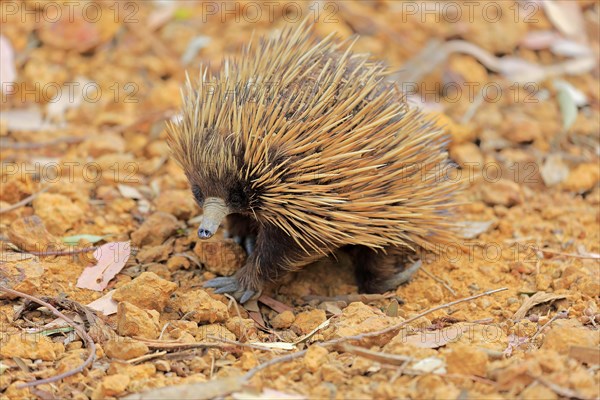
(477, 101)
(62, 252)
(40, 145)
(384, 358)
(84, 335)
(562, 391)
(472, 377)
(439, 280)
(273, 361)
(293, 356)
(416, 317)
(559, 315)
(163, 345)
(247, 345)
(349, 298)
(24, 201)
(560, 253)
(147, 357)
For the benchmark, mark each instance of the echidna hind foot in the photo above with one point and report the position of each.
(378, 271)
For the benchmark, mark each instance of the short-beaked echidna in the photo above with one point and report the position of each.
(308, 148)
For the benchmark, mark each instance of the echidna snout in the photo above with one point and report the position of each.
(214, 212)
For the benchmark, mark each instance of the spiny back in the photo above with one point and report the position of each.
(324, 142)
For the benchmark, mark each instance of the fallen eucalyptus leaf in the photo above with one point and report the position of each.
(111, 259)
(74, 240)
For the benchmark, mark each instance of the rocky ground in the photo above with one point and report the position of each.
(85, 164)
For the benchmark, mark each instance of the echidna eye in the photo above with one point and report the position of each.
(197, 192)
(236, 198)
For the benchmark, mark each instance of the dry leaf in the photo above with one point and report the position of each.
(566, 17)
(588, 355)
(538, 298)
(267, 394)
(195, 391)
(105, 304)
(194, 46)
(276, 345)
(392, 309)
(274, 304)
(430, 365)
(566, 103)
(256, 316)
(570, 48)
(129, 192)
(26, 119)
(384, 358)
(579, 98)
(554, 170)
(8, 73)
(539, 40)
(74, 240)
(514, 342)
(161, 14)
(59, 105)
(472, 229)
(111, 259)
(583, 252)
(304, 338)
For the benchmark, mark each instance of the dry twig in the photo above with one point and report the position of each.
(559, 315)
(84, 335)
(293, 356)
(147, 357)
(349, 298)
(171, 345)
(562, 391)
(62, 252)
(439, 280)
(41, 145)
(248, 345)
(24, 201)
(384, 358)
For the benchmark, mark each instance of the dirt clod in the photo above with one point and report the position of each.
(133, 321)
(155, 230)
(199, 306)
(125, 349)
(147, 291)
(223, 257)
(307, 321)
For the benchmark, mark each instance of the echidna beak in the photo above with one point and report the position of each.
(215, 211)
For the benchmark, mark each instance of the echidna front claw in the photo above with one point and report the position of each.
(247, 242)
(232, 286)
(218, 282)
(227, 289)
(403, 276)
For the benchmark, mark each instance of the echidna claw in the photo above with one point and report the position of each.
(247, 242)
(403, 276)
(231, 285)
(227, 289)
(248, 294)
(218, 282)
